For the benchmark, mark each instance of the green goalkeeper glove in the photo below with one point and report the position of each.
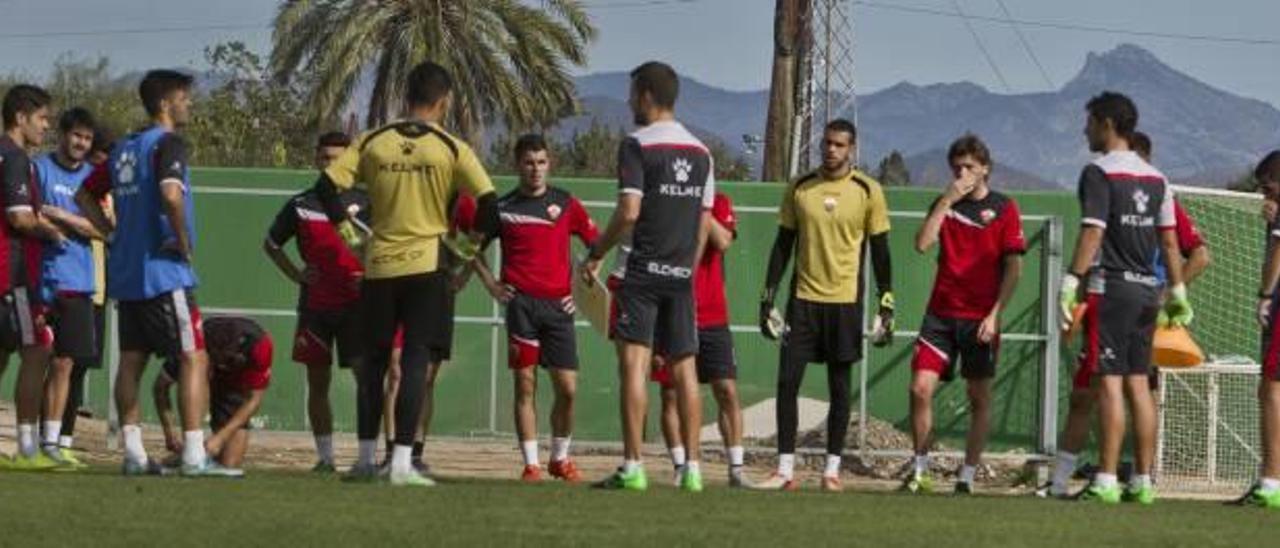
(1068, 299)
(882, 328)
(1178, 307)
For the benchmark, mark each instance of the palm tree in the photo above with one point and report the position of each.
(508, 58)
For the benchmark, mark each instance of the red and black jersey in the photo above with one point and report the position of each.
(463, 218)
(19, 254)
(535, 233)
(975, 237)
(240, 354)
(336, 268)
(708, 280)
(1188, 236)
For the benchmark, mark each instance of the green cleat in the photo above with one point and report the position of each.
(38, 462)
(691, 481)
(323, 467)
(1259, 498)
(1142, 495)
(635, 481)
(411, 479)
(69, 456)
(1105, 495)
(917, 484)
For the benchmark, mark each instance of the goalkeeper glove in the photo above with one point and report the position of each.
(1068, 299)
(772, 325)
(882, 328)
(1178, 307)
(350, 235)
(462, 246)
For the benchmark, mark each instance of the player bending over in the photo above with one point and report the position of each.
(825, 217)
(1266, 492)
(980, 247)
(1127, 219)
(240, 354)
(537, 222)
(666, 186)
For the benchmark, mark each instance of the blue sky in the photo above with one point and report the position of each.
(728, 42)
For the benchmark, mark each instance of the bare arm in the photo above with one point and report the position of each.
(92, 210)
(239, 419)
(29, 223)
(1172, 257)
(1008, 281)
(718, 236)
(1196, 264)
(704, 233)
(164, 409)
(928, 233)
(623, 220)
(283, 262)
(72, 222)
(172, 195)
(1271, 272)
(1087, 246)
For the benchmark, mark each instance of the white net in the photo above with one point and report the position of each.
(1208, 440)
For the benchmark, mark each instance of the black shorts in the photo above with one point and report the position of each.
(100, 338)
(716, 360)
(1122, 325)
(319, 331)
(166, 325)
(944, 341)
(22, 321)
(223, 401)
(420, 304)
(74, 323)
(823, 332)
(658, 316)
(541, 332)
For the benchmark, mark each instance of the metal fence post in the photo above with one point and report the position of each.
(113, 366)
(494, 334)
(1051, 268)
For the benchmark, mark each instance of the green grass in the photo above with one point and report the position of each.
(295, 509)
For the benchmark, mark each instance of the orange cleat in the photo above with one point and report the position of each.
(532, 474)
(778, 483)
(831, 485)
(565, 470)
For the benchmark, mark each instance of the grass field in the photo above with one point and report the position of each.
(283, 509)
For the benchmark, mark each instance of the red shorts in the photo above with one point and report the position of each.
(660, 373)
(1087, 364)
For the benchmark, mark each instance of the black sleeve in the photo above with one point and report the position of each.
(330, 199)
(17, 180)
(487, 214)
(880, 262)
(171, 159)
(783, 245)
(285, 225)
(1095, 197)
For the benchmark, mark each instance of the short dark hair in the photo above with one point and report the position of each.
(659, 80)
(23, 99)
(1118, 108)
(530, 142)
(844, 126)
(428, 83)
(103, 138)
(969, 145)
(1268, 170)
(1141, 144)
(333, 139)
(159, 84)
(77, 117)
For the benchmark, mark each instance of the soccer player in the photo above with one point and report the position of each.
(150, 274)
(240, 353)
(824, 220)
(1266, 492)
(1083, 399)
(1127, 219)
(716, 362)
(68, 271)
(537, 222)
(23, 234)
(412, 169)
(98, 155)
(980, 245)
(666, 189)
(328, 302)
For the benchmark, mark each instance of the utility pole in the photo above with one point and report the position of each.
(792, 40)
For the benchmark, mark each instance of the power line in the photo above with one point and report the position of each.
(982, 47)
(1025, 44)
(141, 30)
(635, 4)
(1071, 26)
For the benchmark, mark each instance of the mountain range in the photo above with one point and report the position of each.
(1203, 135)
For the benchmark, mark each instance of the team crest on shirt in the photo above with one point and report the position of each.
(406, 147)
(682, 167)
(553, 211)
(829, 203)
(987, 215)
(1140, 200)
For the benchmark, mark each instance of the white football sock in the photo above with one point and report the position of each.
(630, 466)
(66, 442)
(27, 439)
(52, 429)
(529, 448)
(560, 448)
(324, 448)
(1104, 480)
(787, 465)
(133, 448)
(1063, 467)
(967, 473)
(833, 467)
(736, 454)
(401, 459)
(921, 463)
(692, 466)
(1269, 484)
(677, 456)
(193, 448)
(1140, 481)
(368, 453)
